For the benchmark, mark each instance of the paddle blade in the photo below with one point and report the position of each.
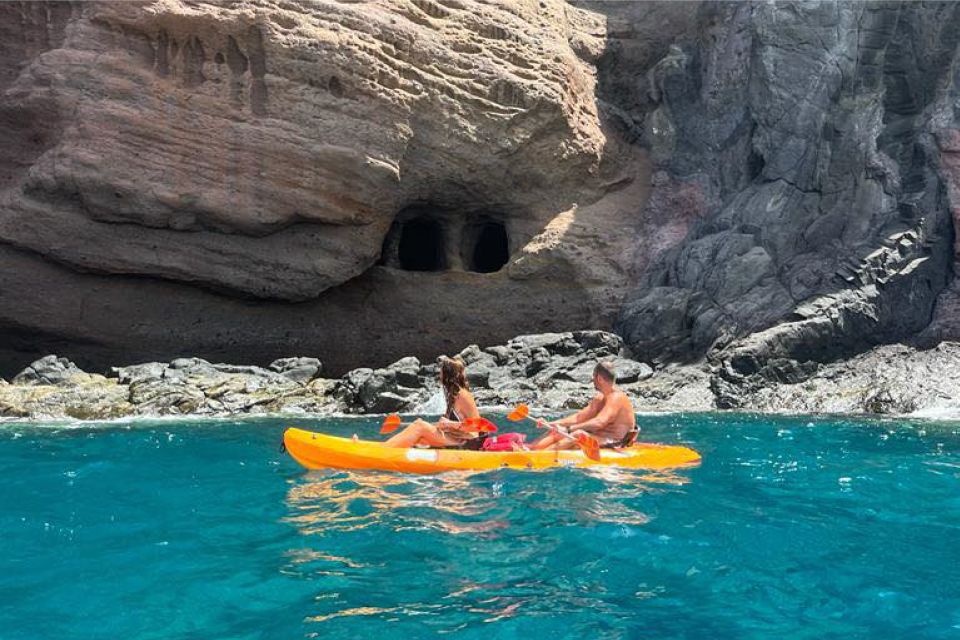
(520, 413)
(390, 423)
(589, 445)
(479, 424)
(485, 426)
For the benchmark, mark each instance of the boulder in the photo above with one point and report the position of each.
(470, 354)
(165, 397)
(388, 402)
(429, 371)
(140, 372)
(539, 359)
(406, 371)
(301, 370)
(553, 343)
(478, 376)
(630, 370)
(599, 343)
(190, 364)
(50, 370)
(500, 353)
(582, 374)
(379, 382)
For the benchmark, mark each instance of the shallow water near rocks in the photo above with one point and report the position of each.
(791, 526)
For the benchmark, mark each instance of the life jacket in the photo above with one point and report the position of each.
(505, 442)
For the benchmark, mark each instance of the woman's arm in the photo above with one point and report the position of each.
(465, 407)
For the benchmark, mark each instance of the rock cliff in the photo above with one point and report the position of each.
(764, 185)
(256, 179)
(813, 147)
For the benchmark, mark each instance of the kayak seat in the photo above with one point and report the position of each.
(626, 441)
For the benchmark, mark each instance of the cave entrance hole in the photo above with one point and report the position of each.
(487, 248)
(421, 245)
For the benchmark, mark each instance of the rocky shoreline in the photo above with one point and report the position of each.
(551, 371)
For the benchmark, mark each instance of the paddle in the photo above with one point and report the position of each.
(588, 444)
(479, 424)
(392, 422)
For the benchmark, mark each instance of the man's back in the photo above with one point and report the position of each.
(623, 418)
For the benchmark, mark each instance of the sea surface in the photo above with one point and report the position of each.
(790, 528)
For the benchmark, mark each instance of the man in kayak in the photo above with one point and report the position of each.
(609, 417)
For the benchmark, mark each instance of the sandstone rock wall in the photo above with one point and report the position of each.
(212, 178)
(264, 148)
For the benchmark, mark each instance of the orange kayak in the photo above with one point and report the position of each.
(318, 451)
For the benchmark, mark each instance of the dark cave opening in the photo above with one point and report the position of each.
(487, 247)
(421, 245)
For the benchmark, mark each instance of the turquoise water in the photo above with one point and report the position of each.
(794, 528)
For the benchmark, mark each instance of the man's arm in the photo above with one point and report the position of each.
(602, 420)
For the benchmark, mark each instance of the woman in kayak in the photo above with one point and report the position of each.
(448, 432)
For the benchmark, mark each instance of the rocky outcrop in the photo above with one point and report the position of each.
(54, 388)
(551, 372)
(301, 370)
(172, 161)
(887, 380)
(50, 370)
(808, 146)
(264, 148)
(764, 186)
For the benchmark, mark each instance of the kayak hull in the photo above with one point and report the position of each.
(319, 451)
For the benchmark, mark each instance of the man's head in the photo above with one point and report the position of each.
(604, 376)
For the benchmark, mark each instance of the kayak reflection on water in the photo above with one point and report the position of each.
(459, 548)
(465, 502)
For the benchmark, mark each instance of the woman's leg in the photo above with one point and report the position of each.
(419, 432)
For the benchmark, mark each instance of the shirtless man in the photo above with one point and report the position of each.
(609, 417)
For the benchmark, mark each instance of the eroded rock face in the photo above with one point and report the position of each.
(175, 159)
(264, 147)
(810, 144)
(774, 184)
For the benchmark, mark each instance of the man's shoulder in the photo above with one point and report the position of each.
(620, 396)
